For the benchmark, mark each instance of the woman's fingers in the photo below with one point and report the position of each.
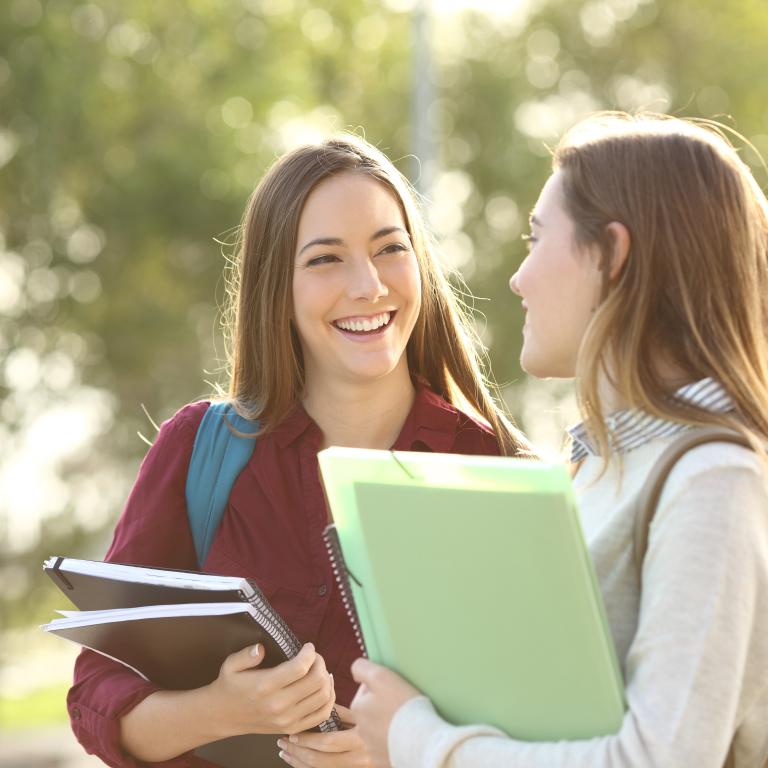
(347, 715)
(339, 749)
(288, 698)
(319, 704)
(248, 658)
(300, 756)
(287, 673)
(283, 674)
(315, 680)
(334, 741)
(381, 694)
(311, 719)
(294, 761)
(368, 673)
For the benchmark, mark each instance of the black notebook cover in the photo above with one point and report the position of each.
(90, 592)
(175, 652)
(181, 652)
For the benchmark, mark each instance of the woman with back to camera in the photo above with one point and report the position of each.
(647, 281)
(345, 332)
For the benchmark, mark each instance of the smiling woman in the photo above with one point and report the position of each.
(344, 331)
(338, 218)
(357, 294)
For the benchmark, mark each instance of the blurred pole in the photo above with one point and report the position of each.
(424, 145)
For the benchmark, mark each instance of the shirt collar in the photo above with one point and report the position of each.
(297, 423)
(631, 428)
(431, 424)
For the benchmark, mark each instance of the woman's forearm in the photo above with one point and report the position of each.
(168, 723)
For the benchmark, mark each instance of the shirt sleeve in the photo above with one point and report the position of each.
(152, 530)
(696, 666)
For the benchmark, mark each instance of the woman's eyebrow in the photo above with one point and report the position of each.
(534, 220)
(321, 241)
(384, 231)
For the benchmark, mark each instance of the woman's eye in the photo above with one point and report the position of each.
(529, 240)
(326, 258)
(394, 248)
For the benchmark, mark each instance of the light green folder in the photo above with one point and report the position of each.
(471, 578)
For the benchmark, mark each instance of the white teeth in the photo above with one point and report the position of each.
(364, 324)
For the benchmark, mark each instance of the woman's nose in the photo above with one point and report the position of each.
(366, 281)
(513, 284)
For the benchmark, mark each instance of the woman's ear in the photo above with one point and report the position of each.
(620, 245)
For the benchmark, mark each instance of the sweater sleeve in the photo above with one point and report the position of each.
(696, 666)
(152, 530)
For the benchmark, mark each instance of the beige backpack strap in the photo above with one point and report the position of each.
(654, 484)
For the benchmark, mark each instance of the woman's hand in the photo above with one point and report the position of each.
(339, 749)
(289, 698)
(382, 692)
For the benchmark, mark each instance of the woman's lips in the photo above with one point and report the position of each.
(365, 335)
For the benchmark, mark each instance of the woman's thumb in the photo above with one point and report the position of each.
(248, 658)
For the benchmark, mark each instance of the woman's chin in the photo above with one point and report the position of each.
(534, 366)
(542, 370)
(373, 371)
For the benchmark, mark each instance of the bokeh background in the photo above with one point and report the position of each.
(131, 134)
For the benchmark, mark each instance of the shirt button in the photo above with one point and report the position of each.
(75, 713)
(322, 591)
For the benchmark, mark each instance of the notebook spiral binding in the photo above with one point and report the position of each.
(274, 625)
(283, 635)
(341, 574)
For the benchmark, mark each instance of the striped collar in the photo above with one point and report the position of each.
(630, 428)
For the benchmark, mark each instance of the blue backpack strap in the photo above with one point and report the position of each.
(218, 457)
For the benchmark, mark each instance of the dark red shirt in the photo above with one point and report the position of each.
(271, 532)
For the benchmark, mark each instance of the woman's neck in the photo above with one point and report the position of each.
(361, 415)
(611, 399)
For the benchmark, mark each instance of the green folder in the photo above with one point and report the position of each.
(470, 577)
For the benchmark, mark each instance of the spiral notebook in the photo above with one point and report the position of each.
(470, 577)
(175, 628)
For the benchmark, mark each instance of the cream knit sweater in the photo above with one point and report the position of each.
(693, 647)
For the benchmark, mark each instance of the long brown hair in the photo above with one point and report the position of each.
(693, 293)
(266, 363)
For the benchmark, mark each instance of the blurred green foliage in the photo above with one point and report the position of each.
(38, 708)
(132, 132)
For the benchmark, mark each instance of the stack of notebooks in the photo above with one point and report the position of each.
(175, 628)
